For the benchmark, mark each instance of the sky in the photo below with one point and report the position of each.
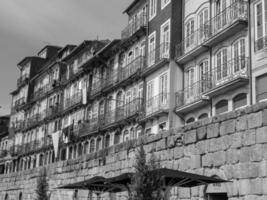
(28, 25)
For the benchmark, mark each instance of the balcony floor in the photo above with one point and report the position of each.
(154, 115)
(228, 86)
(191, 106)
(149, 70)
(229, 31)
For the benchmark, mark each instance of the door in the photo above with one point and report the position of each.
(204, 76)
(220, 15)
(239, 62)
(163, 95)
(221, 67)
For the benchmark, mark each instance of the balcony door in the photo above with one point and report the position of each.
(149, 105)
(165, 40)
(221, 70)
(189, 33)
(239, 57)
(203, 18)
(204, 76)
(189, 91)
(163, 96)
(220, 15)
(151, 49)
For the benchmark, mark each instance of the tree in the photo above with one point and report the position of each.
(146, 183)
(42, 186)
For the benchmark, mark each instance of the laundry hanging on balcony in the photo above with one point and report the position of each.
(55, 140)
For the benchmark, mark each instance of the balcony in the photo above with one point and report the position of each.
(19, 104)
(30, 147)
(261, 43)
(73, 101)
(157, 58)
(22, 80)
(191, 46)
(53, 111)
(18, 125)
(3, 153)
(137, 27)
(33, 121)
(230, 21)
(229, 76)
(157, 106)
(192, 97)
(41, 92)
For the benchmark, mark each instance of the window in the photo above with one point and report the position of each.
(150, 87)
(261, 89)
(220, 13)
(20, 196)
(163, 83)
(117, 137)
(126, 136)
(189, 33)
(152, 9)
(239, 51)
(164, 3)
(240, 100)
(107, 141)
(92, 146)
(98, 144)
(221, 107)
(190, 78)
(151, 49)
(203, 18)
(190, 120)
(204, 75)
(165, 40)
(221, 65)
(260, 25)
(203, 116)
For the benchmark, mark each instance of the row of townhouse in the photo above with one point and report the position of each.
(177, 62)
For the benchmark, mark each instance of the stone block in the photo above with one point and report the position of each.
(249, 137)
(202, 133)
(201, 147)
(227, 127)
(261, 135)
(256, 186)
(244, 187)
(241, 123)
(178, 152)
(232, 156)
(255, 120)
(207, 160)
(190, 137)
(256, 153)
(219, 158)
(236, 140)
(213, 130)
(264, 186)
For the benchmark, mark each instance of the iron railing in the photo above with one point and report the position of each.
(138, 23)
(236, 11)
(157, 54)
(192, 93)
(28, 147)
(43, 91)
(53, 111)
(157, 103)
(261, 43)
(18, 125)
(22, 79)
(231, 70)
(133, 67)
(74, 100)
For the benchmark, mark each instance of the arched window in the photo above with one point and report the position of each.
(204, 76)
(126, 136)
(63, 154)
(139, 131)
(117, 137)
(6, 197)
(92, 145)
(132, 133)
(190, 120)
(240, 100)
(41, 160)
(203, 116)
(221, 107)
(29, 162)
(20, 196)
(107, 141)
(74, 151)
(189, 33)
(221, 65)
(98, 143)
(203, 18)
(70, 152)
(85, 147)
(80, 149)
(75, 195)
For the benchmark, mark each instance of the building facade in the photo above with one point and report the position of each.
(177, 62)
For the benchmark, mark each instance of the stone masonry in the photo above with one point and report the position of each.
(232, 146)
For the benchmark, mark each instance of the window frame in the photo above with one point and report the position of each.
(164, 3)
(154, 9)
(167, 23)
(152, 49)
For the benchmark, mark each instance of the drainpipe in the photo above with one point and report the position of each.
(250, 54)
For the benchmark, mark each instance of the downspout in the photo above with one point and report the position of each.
(250, 54)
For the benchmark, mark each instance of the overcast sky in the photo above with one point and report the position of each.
(28, 25)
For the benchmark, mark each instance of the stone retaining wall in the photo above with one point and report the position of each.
(232, 146)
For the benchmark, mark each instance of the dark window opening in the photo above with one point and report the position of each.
(240, 100)
(203, 116)
(221, 107)
(190, 120)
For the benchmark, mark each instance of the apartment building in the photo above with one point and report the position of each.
(214, 55)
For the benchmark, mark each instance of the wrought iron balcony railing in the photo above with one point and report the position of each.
(53, 111)
(3, 153)
(133, 67)
(157, 103)
(43, 91)
(138, 23)
(21, 80)
(158, 54)
(18, 125)
(192, 93)
(20, 102)
(29, 147)
(236, 11)
(225, 73)
(74, 100)
(261, 43)
(33, 121)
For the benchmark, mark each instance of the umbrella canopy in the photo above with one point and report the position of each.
(171, 178)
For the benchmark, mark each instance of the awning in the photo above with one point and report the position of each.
(171, 178)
